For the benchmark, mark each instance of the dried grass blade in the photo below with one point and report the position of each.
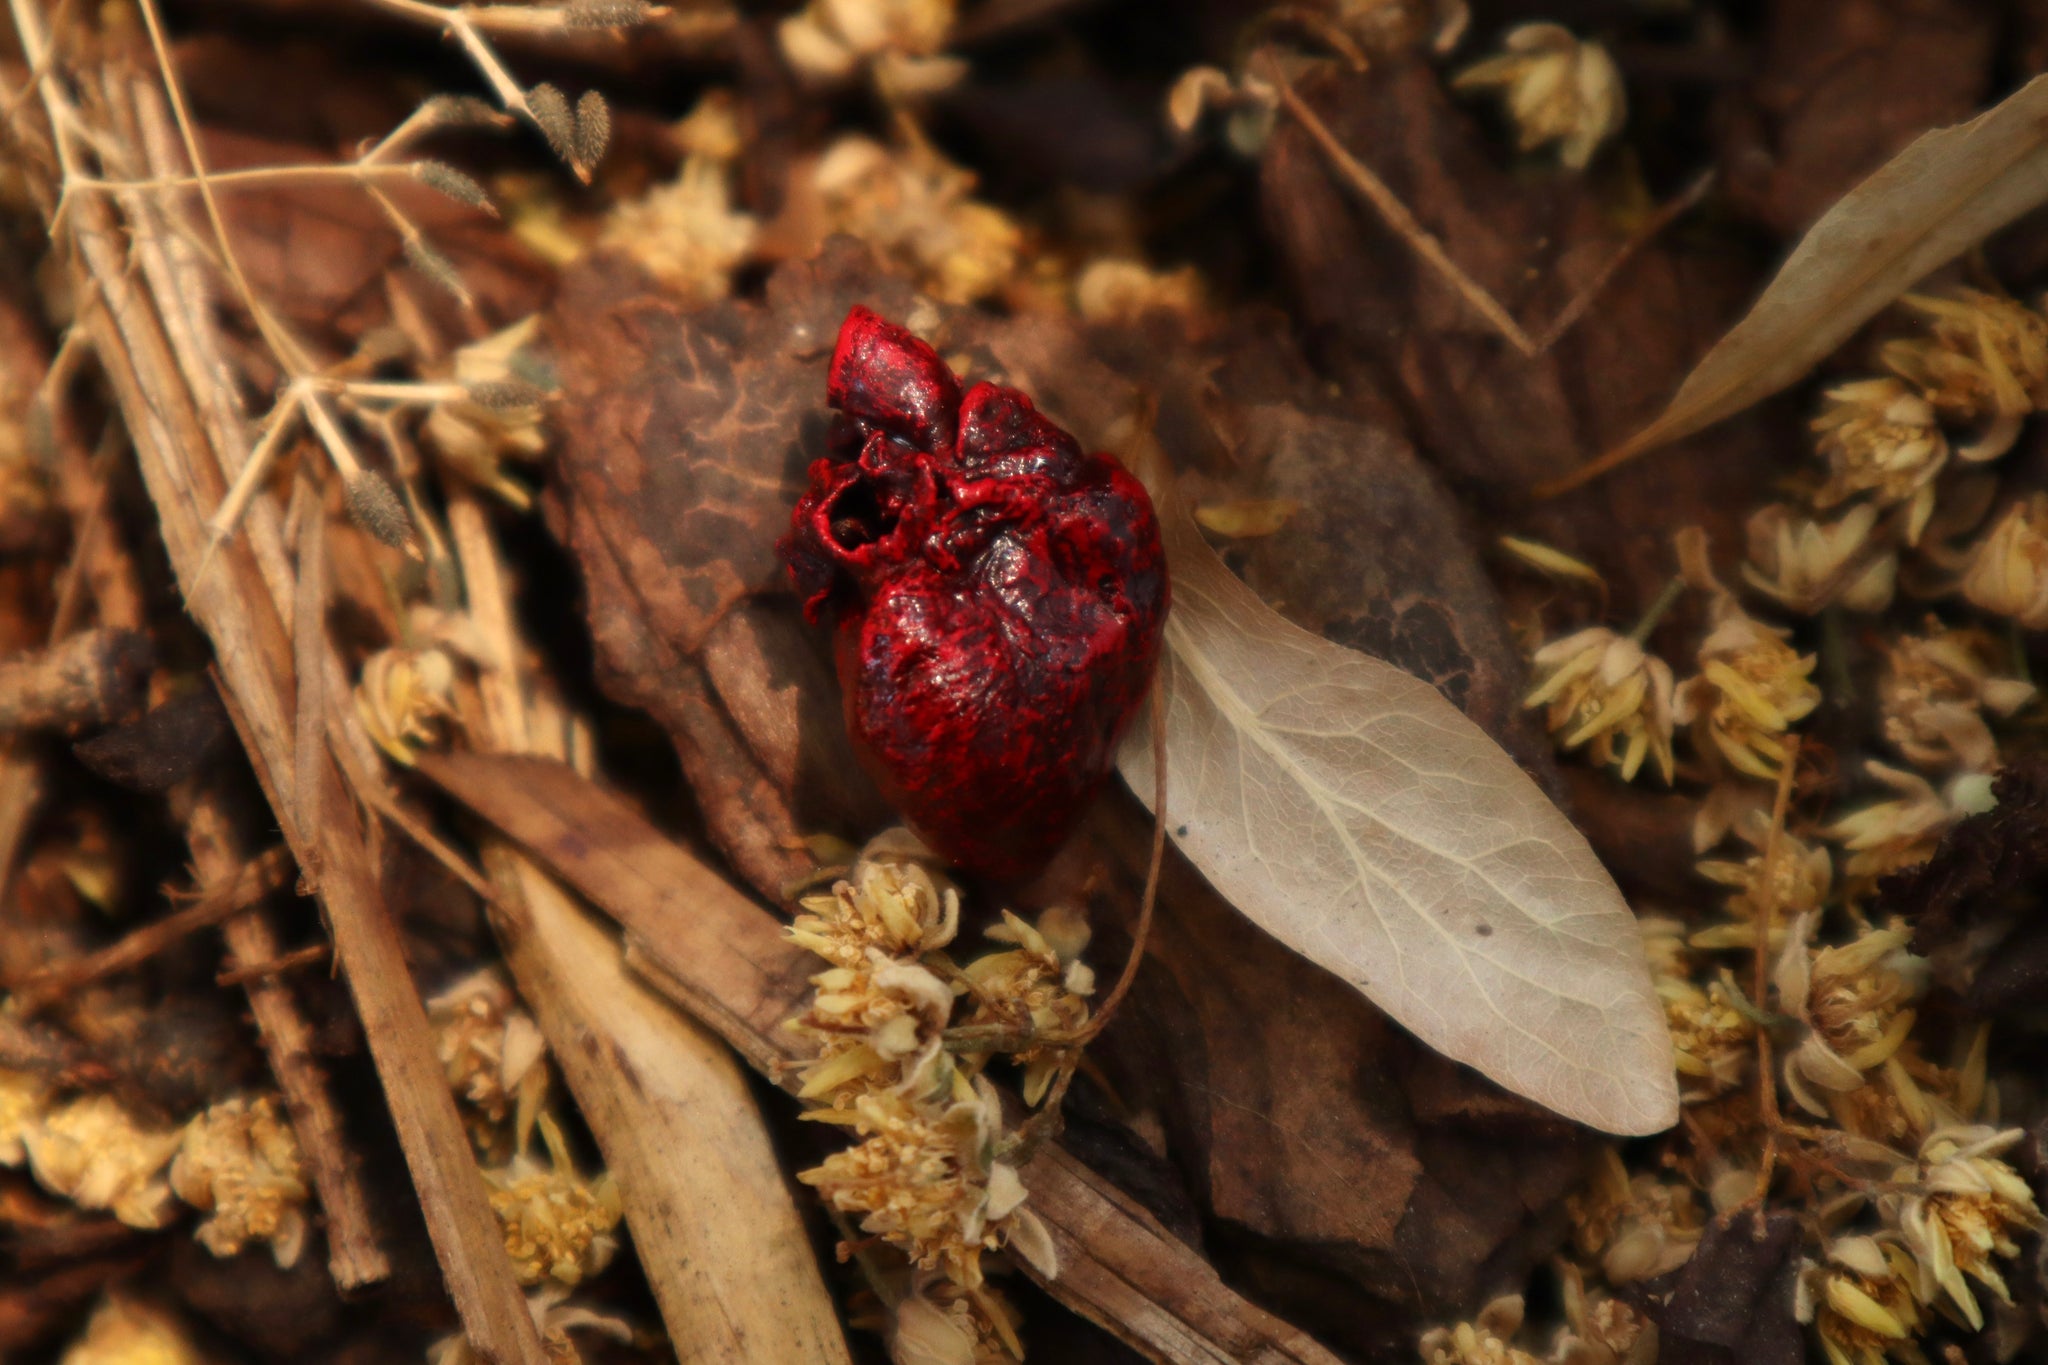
(1942, 195)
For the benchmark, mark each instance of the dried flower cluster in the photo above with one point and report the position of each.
(1602, 689)
(1817, 1072)
(1606, 691)
(932, 1170)
(917, 209)
(687, 233)
(404, 698)
(499, 416)
(131, 1331)
(1557, 90)
(240, 1165)
(554, 1317)
(495, 1057)
(237, 1162)
(560, 1226)
(1598, 1330)
(898, 41)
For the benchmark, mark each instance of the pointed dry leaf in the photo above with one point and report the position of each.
(1942, 195)
(1361, 819)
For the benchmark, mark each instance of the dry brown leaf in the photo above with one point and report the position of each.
(1935, 200)
(1357, 816)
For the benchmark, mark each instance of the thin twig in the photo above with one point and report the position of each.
(1651, 228)
(254, 470)
(240, 975)
(1151, 897)
(1405, 225)
(309, 643)
(432, 845)
(1397, 214)
(281, 343)
(355, 1250)
(252, 177)
(246, 889)
(246, 623)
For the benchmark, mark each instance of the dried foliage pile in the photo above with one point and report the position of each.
(428, 838)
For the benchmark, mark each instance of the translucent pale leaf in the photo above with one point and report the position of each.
(1945, 193)
(1362, 820)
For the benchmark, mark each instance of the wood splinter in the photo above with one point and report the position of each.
(82, 682)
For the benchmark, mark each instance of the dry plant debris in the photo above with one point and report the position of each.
(356, 438)
(933, 1172)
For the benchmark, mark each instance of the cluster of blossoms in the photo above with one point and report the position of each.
(1898, 450)
(898, 43)
(1598, 1330)
(1605, 692)
(932, 1172)
(237, 1163)
(560, 1227)
(1879, 1123)
(686, 233)
(1557, 90)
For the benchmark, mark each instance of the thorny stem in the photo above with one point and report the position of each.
(1657, 609)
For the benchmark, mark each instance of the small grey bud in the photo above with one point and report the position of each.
(593, 128)
(439, 175)
(460, 111)
(551, 114)
(503, 395)
(374, 507)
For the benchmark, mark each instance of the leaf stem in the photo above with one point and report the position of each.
(1664, 601)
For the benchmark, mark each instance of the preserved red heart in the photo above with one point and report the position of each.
(998, 593)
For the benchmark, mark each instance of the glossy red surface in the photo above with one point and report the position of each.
(998, 595)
